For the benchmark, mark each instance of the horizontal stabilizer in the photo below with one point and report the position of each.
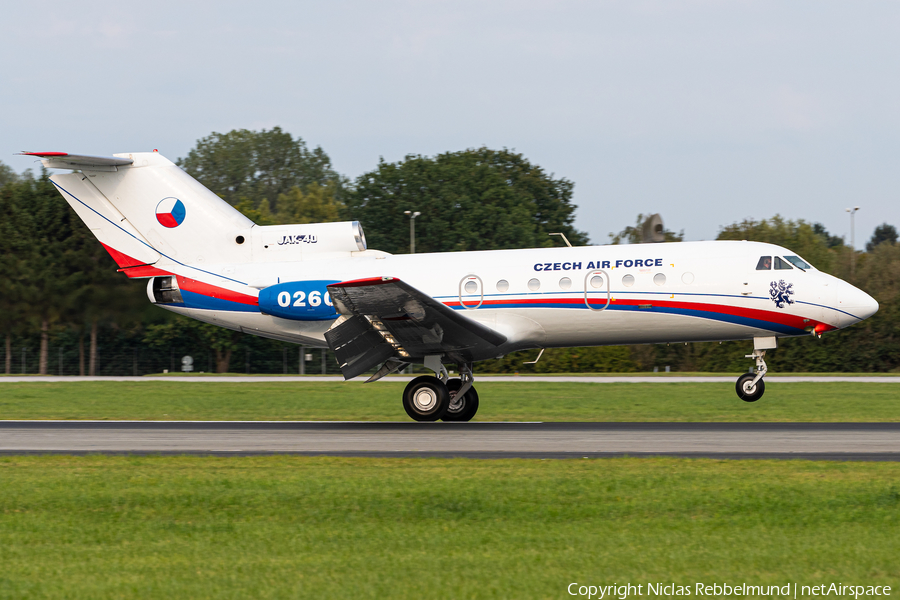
(64, 160)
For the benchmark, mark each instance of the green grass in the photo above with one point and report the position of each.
(502, 401)
(290, 527)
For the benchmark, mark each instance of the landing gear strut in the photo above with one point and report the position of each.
(463, 397)
(750, 387)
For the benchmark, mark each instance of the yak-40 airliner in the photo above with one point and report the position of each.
(318, 284)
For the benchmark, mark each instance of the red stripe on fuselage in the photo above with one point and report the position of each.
(198, 287)
(795, 321)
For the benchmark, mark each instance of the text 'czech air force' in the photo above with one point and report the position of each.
(600, 264)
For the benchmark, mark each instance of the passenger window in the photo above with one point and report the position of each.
(502, 285)
(782, 265)
(764, 264)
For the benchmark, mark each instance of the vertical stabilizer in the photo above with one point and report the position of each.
(170, 210)
(126, 245)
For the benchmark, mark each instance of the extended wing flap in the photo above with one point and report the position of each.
(407, 323)
(357, 346)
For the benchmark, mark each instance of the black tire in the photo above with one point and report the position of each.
(464, 410)
(749, 394)
(426, 398)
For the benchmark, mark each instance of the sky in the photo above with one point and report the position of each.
(706, 112)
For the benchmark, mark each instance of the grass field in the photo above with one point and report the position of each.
(290, 527)
(501, 401)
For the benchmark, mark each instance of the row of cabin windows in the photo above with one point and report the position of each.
(781, 264)
(565, 283)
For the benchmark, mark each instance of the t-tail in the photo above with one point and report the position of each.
(156, 220)
(148, 213)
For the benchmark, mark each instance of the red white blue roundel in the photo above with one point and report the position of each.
(170, 212)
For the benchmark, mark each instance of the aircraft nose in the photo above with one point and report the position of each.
(856, 302)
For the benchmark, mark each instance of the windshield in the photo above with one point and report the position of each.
(782, 265)
(798, 262)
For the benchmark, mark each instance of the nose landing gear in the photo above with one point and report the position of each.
(750, 387)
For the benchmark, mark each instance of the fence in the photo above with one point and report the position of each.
(67, 360)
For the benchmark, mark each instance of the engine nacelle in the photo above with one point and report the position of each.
(298, 300)
(307, 241)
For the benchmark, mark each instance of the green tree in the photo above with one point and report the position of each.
(476, 199)
(884, 233)
(319, 204)
(7, 175)
(261, 214)
(244, 165)
(832, 241)
(188, 332)
(45, 277)
(13, 269)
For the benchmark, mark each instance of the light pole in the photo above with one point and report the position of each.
(412, 229)
(852, 212)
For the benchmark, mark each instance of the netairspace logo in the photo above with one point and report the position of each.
(718, 590)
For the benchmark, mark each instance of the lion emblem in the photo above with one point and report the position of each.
(781, 293)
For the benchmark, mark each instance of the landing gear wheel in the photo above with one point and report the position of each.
(748, 392)
(462, 409)
(426, 398)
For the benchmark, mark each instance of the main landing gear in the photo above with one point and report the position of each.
(428, 398)
(750, 387)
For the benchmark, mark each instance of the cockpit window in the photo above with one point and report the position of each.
(781, 264)
(798, 262)
(764, 264)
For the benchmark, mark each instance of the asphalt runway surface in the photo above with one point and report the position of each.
(204, 378)
(817, 441)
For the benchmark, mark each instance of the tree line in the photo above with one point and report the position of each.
(58, 285)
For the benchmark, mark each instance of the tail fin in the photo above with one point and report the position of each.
(151, 212)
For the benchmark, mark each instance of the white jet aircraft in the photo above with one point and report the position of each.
(318, 284)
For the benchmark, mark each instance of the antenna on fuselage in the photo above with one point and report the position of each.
(565, 239)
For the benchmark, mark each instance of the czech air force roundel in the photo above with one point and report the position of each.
(170, 212)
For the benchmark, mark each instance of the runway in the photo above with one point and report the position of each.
(674, 378)
(818, 441)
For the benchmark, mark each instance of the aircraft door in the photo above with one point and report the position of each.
(597, 295)
(471, 292)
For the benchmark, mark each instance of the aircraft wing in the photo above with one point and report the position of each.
(385, 318)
